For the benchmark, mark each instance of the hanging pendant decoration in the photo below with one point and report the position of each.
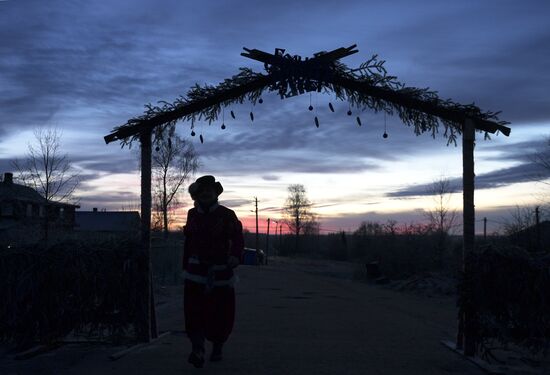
(385, 135)
(358, 121)
(331, 107)
(316, 121)
(233, 114)
(201, 138)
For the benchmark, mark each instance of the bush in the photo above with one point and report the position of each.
(512, 297)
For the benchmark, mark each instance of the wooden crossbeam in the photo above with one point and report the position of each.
(189, 108)
(424, 106)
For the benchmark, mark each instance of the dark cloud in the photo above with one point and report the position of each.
(516, 151)
(526, 172)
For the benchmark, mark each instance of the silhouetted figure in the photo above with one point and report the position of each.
(214, 245)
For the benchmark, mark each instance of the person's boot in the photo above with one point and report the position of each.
(196, 358)
(216, 352)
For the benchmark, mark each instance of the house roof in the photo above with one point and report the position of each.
(12, 191)
(107, 221)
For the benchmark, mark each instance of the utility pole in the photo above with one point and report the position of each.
(280, 236)
(267, 241)
(257, 235)
(537, 226)
(484, 228)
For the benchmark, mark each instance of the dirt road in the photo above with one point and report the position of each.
(290, 322)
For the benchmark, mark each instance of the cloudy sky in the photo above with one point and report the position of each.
(88, 66)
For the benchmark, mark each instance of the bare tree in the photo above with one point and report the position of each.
(297, 211)
(174, 161)
(441, 217)
(520, 219)
(46, 168)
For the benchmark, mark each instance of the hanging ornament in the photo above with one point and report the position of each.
(260, 101)
(385, 135)
(232, 114)
(201, 138)
(331, 107)
(192, 133)
(316, 121)
(223, 126)
(251, 116)
(358, 121)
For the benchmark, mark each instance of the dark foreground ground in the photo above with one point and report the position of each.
(290, 320)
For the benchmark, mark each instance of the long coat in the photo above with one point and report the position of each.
(209, 297)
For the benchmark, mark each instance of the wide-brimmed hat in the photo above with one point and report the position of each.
(202, 182)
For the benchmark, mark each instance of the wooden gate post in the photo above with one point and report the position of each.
(467, 335)
(146, 320)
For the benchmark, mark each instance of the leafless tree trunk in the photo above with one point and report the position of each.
(174, 161)
(521, 219)
(298, 211)
(46, 168)
(441, 217)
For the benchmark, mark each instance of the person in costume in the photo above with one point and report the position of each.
(214, 245)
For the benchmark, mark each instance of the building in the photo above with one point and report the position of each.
(107, 223)
(27, 217)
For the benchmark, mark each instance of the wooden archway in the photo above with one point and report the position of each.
(368, 86)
